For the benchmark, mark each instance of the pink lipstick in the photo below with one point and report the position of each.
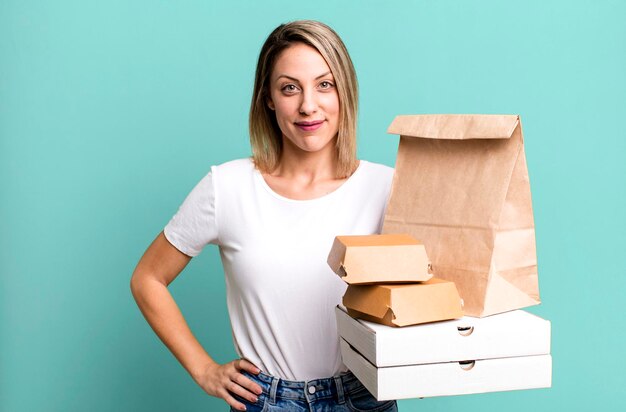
(310, 126)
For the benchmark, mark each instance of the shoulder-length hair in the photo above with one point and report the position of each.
(265, 134)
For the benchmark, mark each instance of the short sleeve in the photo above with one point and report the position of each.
(194, 225)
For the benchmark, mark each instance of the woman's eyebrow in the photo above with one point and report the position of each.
(322, 75)
(296, 80)
(288, 77)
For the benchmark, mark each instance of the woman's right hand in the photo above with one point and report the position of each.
(158, 267)
(222, 381)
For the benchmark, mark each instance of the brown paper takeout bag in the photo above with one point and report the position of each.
(461, 186)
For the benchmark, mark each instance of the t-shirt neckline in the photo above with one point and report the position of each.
(271, 191)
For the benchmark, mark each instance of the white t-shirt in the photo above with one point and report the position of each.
(281, 293)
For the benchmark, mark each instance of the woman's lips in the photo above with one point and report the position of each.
(309, 126)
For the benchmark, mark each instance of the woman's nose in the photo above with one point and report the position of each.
(308, 105)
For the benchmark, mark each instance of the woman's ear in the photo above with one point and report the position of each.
(270, 103)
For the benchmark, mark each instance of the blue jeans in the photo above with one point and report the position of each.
(342, 393)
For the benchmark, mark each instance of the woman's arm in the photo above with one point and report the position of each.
(158, 267)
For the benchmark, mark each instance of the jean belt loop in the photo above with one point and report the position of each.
(339, 386)
(273, 390)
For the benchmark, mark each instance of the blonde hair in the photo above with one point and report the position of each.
(265, 134)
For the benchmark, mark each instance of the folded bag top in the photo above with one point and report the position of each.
(461, 186)
(455, 126)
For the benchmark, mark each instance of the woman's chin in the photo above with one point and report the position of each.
(314, 149)
(313, 144)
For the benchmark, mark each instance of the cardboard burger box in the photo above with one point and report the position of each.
(379, 259)
(509, 351)
(404, 304)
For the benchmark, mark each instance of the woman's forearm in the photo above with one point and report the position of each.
(164, 316)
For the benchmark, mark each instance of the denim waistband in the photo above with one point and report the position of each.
(309, 391)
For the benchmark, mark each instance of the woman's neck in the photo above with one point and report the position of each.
(302, 175)
(311, 166)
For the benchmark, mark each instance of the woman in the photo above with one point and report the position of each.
(274, 218)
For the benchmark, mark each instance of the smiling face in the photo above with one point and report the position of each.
(305, 100)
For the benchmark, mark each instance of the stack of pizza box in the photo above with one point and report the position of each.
(403, 333)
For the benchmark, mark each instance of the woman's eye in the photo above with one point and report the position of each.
(289, 88)
(326, 85)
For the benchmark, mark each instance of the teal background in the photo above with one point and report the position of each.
(111, 111)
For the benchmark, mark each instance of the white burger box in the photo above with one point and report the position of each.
(503, 352)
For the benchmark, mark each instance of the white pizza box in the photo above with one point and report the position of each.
(511, 334)
(449, 378)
